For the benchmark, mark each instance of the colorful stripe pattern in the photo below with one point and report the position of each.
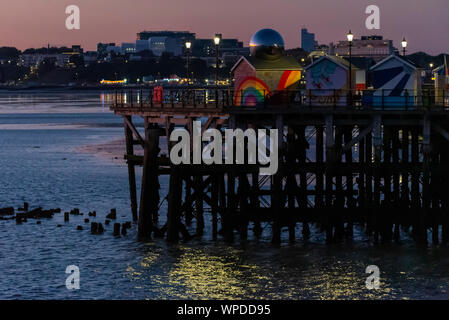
(288, 79)
(251, 92)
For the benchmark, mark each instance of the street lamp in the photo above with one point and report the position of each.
(217, 40)
(404, 46)
(188, 46)
(350, 37)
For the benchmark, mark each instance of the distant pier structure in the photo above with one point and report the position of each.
(377, 158)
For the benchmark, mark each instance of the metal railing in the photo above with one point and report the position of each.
(228, 98)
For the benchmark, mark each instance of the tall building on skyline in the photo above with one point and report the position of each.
(375, 47)
(307, 40)
(175, 40)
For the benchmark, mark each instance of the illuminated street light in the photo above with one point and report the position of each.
(188, 46)
(404, 46)
(350, 36)
(217, 40)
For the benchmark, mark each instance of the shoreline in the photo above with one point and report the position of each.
(113, 150)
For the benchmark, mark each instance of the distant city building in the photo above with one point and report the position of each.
(174, 40)
(113, 49)
(90, 57)
(206, 47)
(184, 35)
(308, 42)
(29, 60)
(142, 45)
(60, 57)
(77, 49)
(174, 43)
(159, 45)
(128, 48)
(102, 48)
(374, 47)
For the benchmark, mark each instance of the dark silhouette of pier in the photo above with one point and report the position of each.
(380, 164)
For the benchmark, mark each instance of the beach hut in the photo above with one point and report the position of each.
(441, 78)
(267, 73)
(396, 83)
(327, 81)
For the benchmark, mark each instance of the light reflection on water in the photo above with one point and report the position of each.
(261, 271)
(39, 165)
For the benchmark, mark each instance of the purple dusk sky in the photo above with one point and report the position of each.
(25, 23)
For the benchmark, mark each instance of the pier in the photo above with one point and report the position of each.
(381, 166)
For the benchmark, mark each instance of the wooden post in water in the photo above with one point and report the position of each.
(149, 197)
(415, 200)
(244, 191)
(349, 184)
(377, 142)
(319, 184)
(405, 189)
(214, 207)
(131, 167)
(303, 199)
(198, 181)
(291, 186)
(426, 180)
(361, 187)
(339, 201)
(255, 204)
(276, 190)
(174, 205)
(444, 212)
(386, 207)
(330, 159)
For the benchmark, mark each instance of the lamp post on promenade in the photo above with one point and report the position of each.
(217, 40)
(350, 37)
(404, 46)
(188, 46)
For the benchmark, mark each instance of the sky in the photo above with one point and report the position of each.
(34, 23)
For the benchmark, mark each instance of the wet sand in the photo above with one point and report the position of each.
(112, 151)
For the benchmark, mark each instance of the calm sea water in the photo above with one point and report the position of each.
(40, 134)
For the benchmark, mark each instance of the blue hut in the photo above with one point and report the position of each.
(396, 83)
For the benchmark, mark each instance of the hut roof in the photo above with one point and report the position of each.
(282, 63)
(402, 59)
(337, 60)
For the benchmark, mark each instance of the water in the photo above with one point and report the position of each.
(41, 163)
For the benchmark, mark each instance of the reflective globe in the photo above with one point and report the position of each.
(267, 44)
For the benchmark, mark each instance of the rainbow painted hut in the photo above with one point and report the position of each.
(267, 74)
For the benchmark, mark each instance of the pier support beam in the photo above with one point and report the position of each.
(330, 159)
(131, 166)
(426, 195)
(277, 186)
(149, 197)
(174, 205)
(377, 143)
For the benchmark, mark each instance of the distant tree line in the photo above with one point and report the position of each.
(118, 67)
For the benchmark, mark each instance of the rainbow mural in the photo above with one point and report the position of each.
(251, 92)
(288, 79)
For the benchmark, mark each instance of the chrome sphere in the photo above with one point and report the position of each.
(267, 44)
